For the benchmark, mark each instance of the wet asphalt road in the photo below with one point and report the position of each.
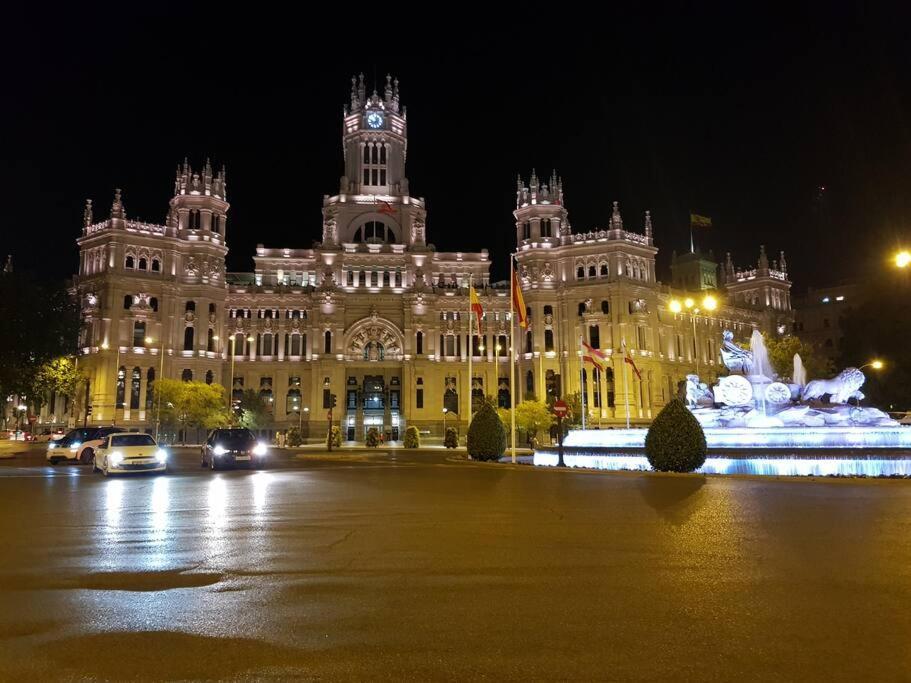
(411, 566)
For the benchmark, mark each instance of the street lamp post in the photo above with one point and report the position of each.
(116, 379)
(445, 410)
(709, 303)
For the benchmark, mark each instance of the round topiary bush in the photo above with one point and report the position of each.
(675, 442)
(412, 438)
(335, 435)
(451, 440)
(486, 434)
(294, 438)
(373, 437)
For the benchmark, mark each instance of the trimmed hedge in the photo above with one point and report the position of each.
(675, 441)
(293, 437)
(412, 438)
(373, 437)
(451, 440)
(486, 434)
(336, 437)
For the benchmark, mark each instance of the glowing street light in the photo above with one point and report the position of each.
(709, 303)
(903, 259)
(875, 364)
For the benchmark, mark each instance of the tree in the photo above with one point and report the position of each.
(40, 323)
(486, 434)
(412, 437)
(60, 376)
(335, 435)
(187, 405)
(781, 356)
(675, 441)
(451, 440)
(533, 417)
(253, 413)
(373, 437)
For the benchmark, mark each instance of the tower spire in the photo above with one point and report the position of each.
(87, 218)
(648, 226)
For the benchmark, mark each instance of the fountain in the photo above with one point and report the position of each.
(751, 409)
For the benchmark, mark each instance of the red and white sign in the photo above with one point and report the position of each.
(560, 408)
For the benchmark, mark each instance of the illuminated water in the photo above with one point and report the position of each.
(771, 465)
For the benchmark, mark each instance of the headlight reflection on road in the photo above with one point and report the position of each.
(218, 501)
(161, 503)
(114, 502)
(261, 482)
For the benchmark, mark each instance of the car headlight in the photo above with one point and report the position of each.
(259, 449)
(116, 458)
(219, 450)
(51, 445)
(75, 446)
(161, 456)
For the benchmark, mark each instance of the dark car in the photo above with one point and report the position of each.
(228, 447)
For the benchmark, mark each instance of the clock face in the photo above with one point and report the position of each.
(374, 119)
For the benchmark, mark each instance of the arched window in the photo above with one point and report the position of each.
(210, 340)
(592, 272)
(150, 388)
(603, 270)
(594, 336)
(581, 308)
(239, 341)
(121, 385)
(130, 262)
(530, 382)
(188, 339)
(156, 265)
(529, 347)
(503, 397)
(605, 307)
(374, 232)
(127, 302)
(191, 306)
(143, 264)
(209, 376)
(580, 273)
(186, 375)
(327, 342)
(295, 346)
(419, 347)
(548, 309)
(545, 227)
(548, 340)
(265, 348)
(153, 304)
(212, 309)
(135, 386)
(293, 401)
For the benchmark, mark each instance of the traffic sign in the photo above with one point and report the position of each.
(560, 408)
(32, 419)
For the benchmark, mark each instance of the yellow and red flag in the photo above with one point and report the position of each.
(518, 301)
(383, 207)
(627, 358)
(475, 304)
(596, 357)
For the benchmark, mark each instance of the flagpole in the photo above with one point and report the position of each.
(512, 366)
(625, 385)
(692, 247)
(470, 350)
(581, 378)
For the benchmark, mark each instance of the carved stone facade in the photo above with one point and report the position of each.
(373, 313)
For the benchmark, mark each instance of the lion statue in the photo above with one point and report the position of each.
(839, 388)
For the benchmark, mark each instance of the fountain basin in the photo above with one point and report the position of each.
(786, 465)
(761, 438)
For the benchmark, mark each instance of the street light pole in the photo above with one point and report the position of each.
(445, 410)
(160, 377)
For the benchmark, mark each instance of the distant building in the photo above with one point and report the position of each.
(817, 315)
(376, 315)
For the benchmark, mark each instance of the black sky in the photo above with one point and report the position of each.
(739, 115)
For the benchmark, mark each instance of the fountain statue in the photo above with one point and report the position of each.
(800, 372)
(735, 359)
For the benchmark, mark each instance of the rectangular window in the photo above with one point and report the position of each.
(594, 336)
(419, 399)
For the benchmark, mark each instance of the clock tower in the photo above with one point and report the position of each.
(375, 141)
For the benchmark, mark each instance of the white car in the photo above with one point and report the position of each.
(129, 452)
(78, 445)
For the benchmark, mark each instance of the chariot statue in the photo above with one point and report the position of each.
(736, 360)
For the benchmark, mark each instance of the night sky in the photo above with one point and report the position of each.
(741, 117)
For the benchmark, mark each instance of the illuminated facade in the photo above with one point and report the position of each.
(375, 315)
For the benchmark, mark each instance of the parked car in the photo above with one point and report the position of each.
(78, 445)
(20, 435)
(228, 447)
(50, 435)
(122, 452)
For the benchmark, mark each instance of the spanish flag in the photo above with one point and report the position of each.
(475, 304)
(697, 221)
(518, 301)
(594, 356)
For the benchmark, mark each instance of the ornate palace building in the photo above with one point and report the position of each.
(376, 315)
